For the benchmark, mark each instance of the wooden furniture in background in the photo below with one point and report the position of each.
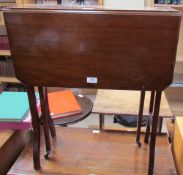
(177, 145)
(170, 124)
(129, 103)
(126, 102)
(118, 49)
(11, 145)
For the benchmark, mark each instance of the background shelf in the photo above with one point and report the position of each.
(9, 80)
(5, 53)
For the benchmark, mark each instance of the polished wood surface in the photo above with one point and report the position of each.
(132, 49)
(180, 43)
(114, 46)
(80, 152)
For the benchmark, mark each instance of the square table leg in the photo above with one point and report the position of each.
(101, 121)
(50, 120)
(35, 125)
(146, 138)
(153, 132)
(45, 122)
(139, 122)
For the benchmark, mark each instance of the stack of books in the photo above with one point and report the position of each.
(169, 1)
(63, 104)
(14, 87)
(6, 67)
(14, 111)
(4, 42)
(7, 3)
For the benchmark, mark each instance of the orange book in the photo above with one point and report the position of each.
(63, 103)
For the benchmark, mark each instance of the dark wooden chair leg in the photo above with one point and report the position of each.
(160, 124)
(101, 121)
(141, 108)
(36, 127)
(50, 121)
(153, 132)
(146, 139)
(45, 122)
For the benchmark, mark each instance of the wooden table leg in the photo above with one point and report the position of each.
(101, 121)
(160, 124)
(36, 127)
(59, 1)
(153, 132)
(50, 121)
(139, 122)
(146, 139)
(45, 122)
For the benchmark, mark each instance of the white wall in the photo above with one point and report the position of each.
(124, 4)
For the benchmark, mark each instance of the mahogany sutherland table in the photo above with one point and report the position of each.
(92, 48)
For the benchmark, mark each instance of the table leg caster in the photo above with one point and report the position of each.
(46, 156)
(138, 143)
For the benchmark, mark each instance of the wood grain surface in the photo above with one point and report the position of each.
(12, 144)
(126, 102)
(123, 49)
(80, 152)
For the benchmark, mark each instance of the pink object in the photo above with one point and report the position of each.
(25, 124)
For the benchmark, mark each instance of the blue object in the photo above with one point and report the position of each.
(174, 1)
(14, 106)
(178, 1)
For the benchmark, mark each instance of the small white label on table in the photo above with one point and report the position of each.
(95, 131)
(80, 95)
(92, 80)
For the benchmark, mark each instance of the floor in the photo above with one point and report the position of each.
(85, 152)
(82, 150)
